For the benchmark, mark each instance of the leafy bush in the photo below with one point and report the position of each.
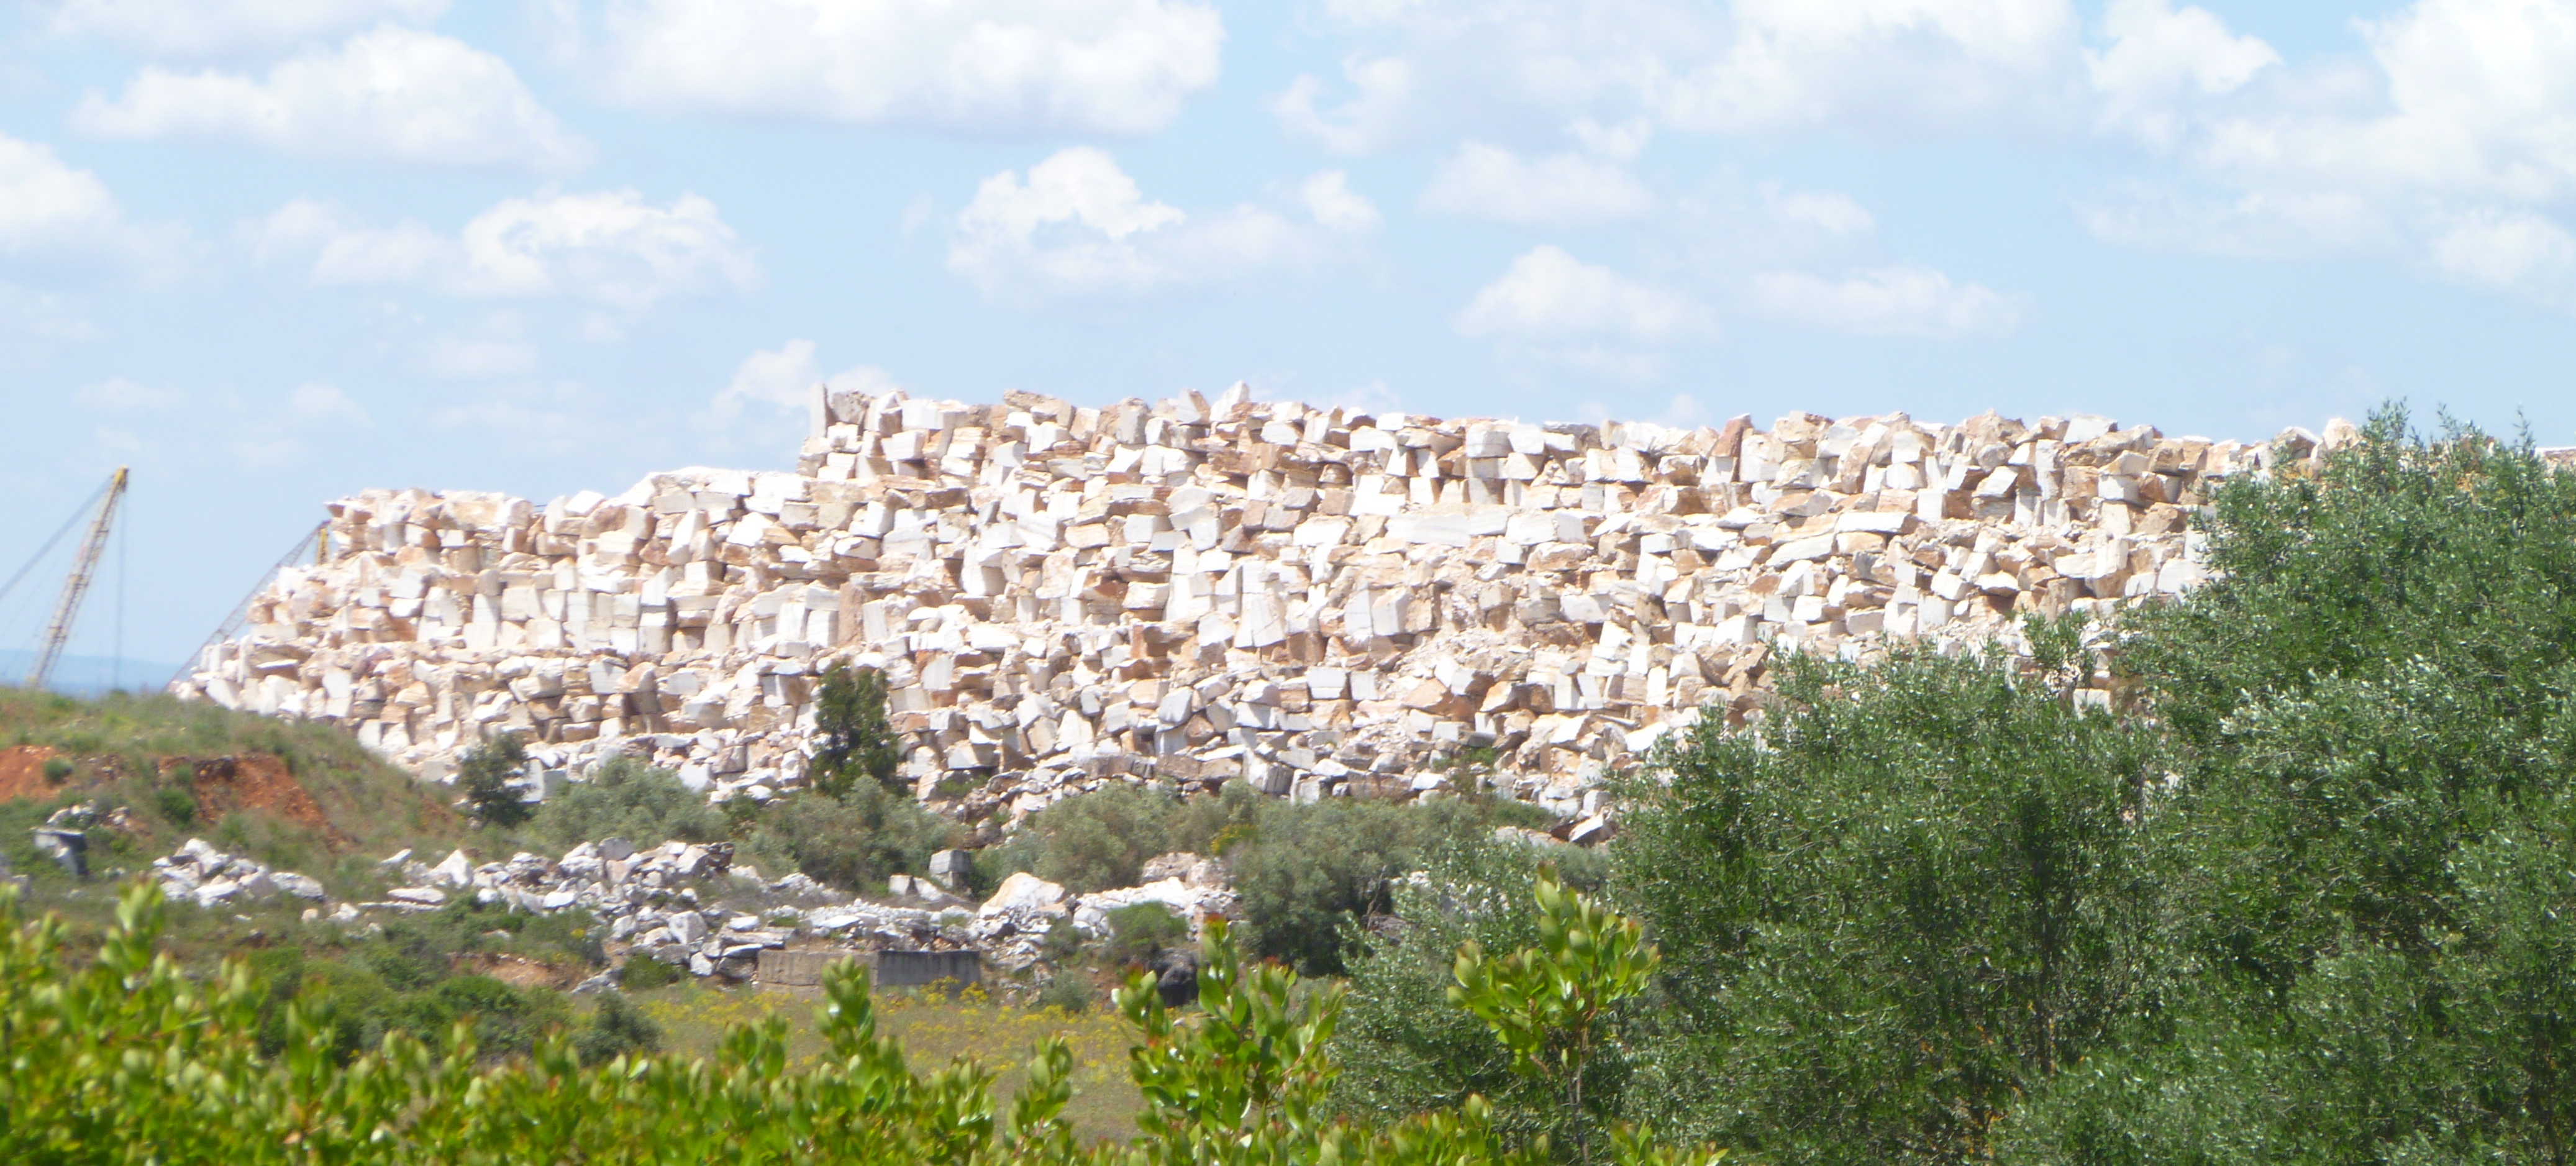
(1403, 1048)
(617, 1028)
(1070, 991)
(628, 798)
(852, 841)
(1238, 1080)
(177, 804)
(58, 770)
(483, 776)
(1139, 932)
(643, 973)
(852, 738)
(1909, 898)
(1102, 839)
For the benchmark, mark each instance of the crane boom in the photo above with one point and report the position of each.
(58, 630)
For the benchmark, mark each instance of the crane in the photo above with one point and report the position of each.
(58, 630)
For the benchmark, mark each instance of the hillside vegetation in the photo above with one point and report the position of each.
(2309, 897)
(2305, 892)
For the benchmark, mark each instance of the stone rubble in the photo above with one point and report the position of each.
(1318, 602)
(651, 901)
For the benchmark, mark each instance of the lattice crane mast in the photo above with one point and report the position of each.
(58, 630)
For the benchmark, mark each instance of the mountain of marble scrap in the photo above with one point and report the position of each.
(1319, 602)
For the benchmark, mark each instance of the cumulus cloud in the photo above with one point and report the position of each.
(1372, 118)
(1754, 66)
(1488, 182)
(785, 377)
(393, 94)
(2451, 149)
(1078, 225)
(1890, 301)
(1549, 294)
(1832, 212)
(2159, 59)
(188, 28)
(1334, 205)
(62, 220)
(973, 66)
(605, 247)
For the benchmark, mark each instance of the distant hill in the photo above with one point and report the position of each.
(90, 675)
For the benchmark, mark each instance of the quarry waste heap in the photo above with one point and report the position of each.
(1316, 602)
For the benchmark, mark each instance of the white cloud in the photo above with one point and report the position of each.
(1335, 206)
(1548, 294)
(57, 217)
(606, 247)
(317, 403)
(786, 377)
(1878, 67)
(2160, 58)
(1890, 301)
(1369, 121)
(1832, 212)
(393, 94)
(976, 66)
(203, 27)
(2515, 252)
(1489, 182)
(1078, 226)
(2449, 149)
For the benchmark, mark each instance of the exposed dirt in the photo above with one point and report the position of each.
(517, 971)
(253, 781)
(22, 773)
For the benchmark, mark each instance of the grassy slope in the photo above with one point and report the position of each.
(137, 752)
(122, 750)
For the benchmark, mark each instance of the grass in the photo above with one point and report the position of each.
(129, 751)
(935, 1028)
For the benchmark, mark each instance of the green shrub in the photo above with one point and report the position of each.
(628, 798)
(1238, 1079)
(617, 1028)
(1403, 1048)
(1139, 932)
(1908, 899)
(177, 804)
(1070, 991)
(853, 841)
(1101, 840)
(483, 775)
(852, 738)
(644, 973)
(58, 770)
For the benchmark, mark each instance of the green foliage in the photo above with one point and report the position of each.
(1549, 1004)
(1311, 874)
(116, 1056)
(1138, 932)
(2368, 861)
(1307, 872)
(483, 775)
(1100, 840)
(176, 803)
(853, 841)
(1404, 1048)
(643, 973)
(852, 738)
(1070, 991)
(629, 798)
(1911, 896)
(58, 769)
(617, 1028)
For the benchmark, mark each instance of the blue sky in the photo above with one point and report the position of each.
(274, 251)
